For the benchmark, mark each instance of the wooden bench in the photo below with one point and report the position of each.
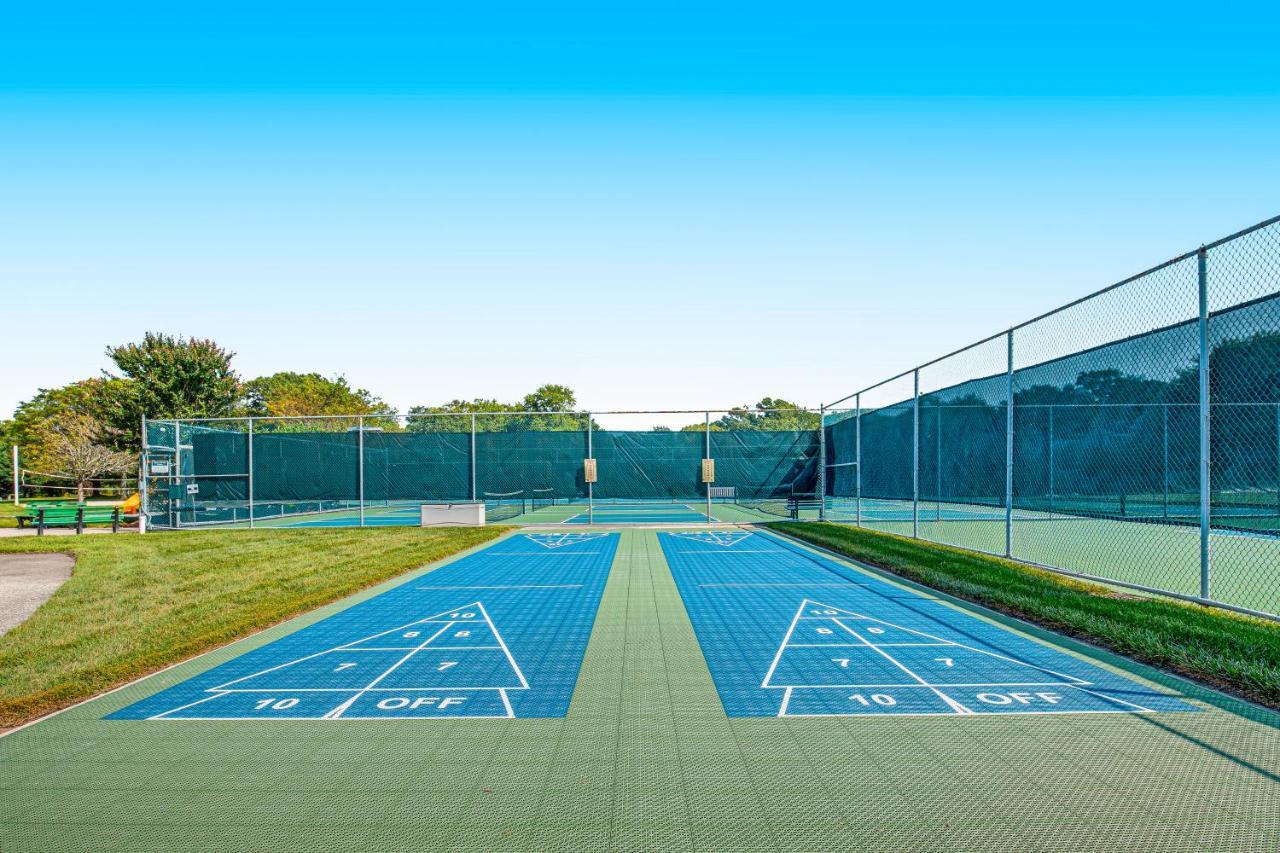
(69, 515)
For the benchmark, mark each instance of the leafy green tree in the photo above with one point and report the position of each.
(74, 447)
(774, 414)
(96, 398)
(288, 394)
(537, 411)
(172, 377)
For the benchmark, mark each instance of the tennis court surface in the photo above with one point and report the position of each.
(645, 673)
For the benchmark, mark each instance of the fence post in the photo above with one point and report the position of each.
(15, 471)
(249, 487)
(143, 474)
(474, 486)
(915, 457)
(822, 463)
(177, 472)
(1008, 452)
(857, 459)
(1164, 477)
(360, 465)
(937, 497)
(1202, 277)
(591, 500)
(1052, 409)
(707, 455)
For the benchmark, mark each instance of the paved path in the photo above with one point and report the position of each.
(26, 582)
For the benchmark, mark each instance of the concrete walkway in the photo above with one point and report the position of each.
(26, 582)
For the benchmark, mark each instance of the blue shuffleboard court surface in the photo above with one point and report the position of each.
(641, 513)
(790, 632)
(498, 633)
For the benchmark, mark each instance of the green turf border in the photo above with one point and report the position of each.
(1194, 649)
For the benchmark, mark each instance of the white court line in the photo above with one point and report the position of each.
(767, 585)
(1070, 678)
(879, 645)
(506, 702)
(786, 639)
(786, 700)
(516, 586)
(162, 714)
(978, 713)
(346, 647)
(1115, 699)
(524, 685)
(928, 685)
(958, 707)
(337, 712)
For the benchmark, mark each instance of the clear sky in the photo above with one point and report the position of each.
(659, 204)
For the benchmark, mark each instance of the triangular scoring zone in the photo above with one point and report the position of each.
(715, 537)
(837, 614)
(475, 610)
(561, 540)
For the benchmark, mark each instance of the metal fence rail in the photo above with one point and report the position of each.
(1131, 436)
(378, 469)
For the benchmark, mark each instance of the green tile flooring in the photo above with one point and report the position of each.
(646, 760)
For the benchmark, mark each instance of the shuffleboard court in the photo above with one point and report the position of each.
(642, 513)
(499, 633)
(789, 632)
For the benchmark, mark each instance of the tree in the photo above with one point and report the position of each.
(75, 448)
(288, 394)
(96, 398)
(8, 477)
(541, 411)
(172, 377)
(771, 414)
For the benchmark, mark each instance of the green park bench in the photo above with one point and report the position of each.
(70, 515)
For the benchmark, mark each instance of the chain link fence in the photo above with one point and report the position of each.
(529, 467)
(1132, 436)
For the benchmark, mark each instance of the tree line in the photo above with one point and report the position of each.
(92, 427)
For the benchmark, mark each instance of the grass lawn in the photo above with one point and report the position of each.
(1236, 653)
(135, 604)
(8, 512)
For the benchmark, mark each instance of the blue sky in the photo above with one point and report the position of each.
(657, 205)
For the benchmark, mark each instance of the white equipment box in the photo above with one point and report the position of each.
(453, 515)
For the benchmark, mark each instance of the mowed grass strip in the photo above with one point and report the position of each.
(1237, 653)
(135, 604)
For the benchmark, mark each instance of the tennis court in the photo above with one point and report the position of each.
(659, 736)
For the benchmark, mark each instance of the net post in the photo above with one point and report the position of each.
(1008, 450)
(1202, 280)
(707, 486)
(857, 459)
(360, 465)
(475, 492)
(250, 462)
(915, 455)
(822, 463)
(591, 509)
